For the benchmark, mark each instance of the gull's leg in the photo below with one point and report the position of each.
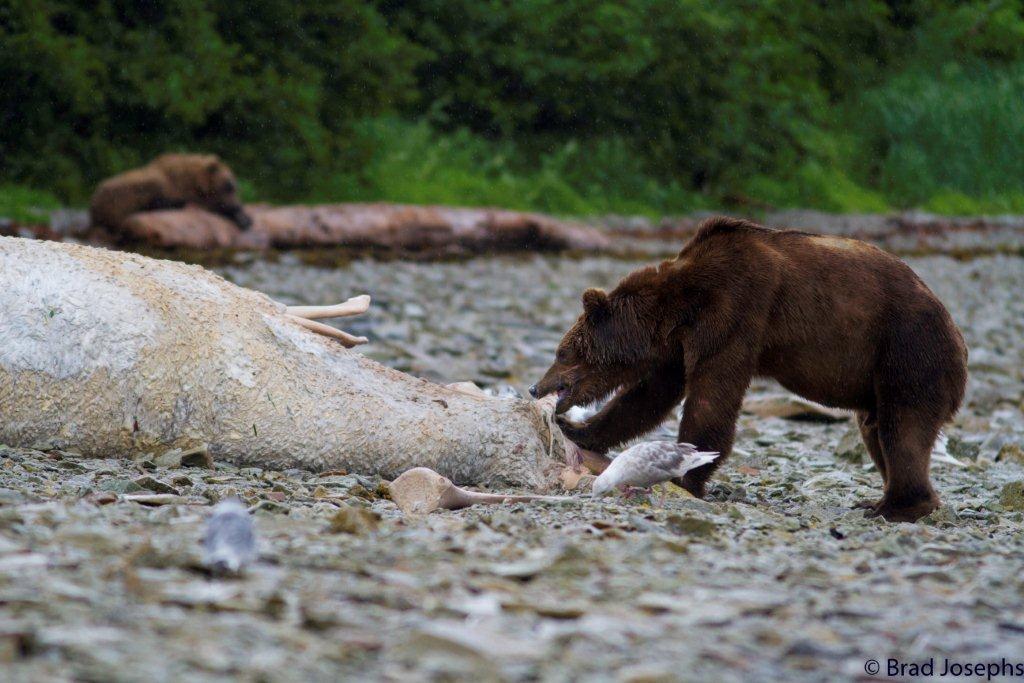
(663, 496)
(347, 340)
(354, 306)
(631, 492)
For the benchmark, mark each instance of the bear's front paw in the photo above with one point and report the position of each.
(578, 433)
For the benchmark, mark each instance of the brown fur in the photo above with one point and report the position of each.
(834, 320)
(170, 181)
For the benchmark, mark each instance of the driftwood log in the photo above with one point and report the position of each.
(109, 354)
(392, 227)
(907, 233)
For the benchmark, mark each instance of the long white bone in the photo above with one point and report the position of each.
(347, 340)
(354, 306)
(304, 315)
(422, 490)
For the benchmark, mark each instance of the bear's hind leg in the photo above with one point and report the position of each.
(907, 436)
(867, 421)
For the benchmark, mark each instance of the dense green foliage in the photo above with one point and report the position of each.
(570, 106)
(92, 87)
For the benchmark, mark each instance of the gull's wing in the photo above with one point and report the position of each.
(653, 462)
(673, 459)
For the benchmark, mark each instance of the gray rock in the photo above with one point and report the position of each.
(851, 447)
(155, 485)
(119, 486)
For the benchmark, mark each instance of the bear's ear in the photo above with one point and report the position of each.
(595, 304)
(212, 163)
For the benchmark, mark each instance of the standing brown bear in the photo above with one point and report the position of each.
(834, 320)
(170, 181)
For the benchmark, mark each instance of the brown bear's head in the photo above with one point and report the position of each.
(220, 189)
(614, 343)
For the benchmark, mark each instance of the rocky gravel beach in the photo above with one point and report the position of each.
(774, 577)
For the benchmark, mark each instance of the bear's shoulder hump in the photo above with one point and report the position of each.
(725, 225)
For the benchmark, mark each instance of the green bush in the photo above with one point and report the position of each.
(90, 89)
(959, 131)
(707, 92)
(568, 106)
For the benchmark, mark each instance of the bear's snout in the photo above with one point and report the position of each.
(547, 386)
(243, 220)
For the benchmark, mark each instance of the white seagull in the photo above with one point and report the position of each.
(650, 463)
(229, 542)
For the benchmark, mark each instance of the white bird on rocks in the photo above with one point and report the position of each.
(650, 463)
(229, 541)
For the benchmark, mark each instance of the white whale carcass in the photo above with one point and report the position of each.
(109, 354)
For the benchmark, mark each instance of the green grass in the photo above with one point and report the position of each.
(26, 205)
(949, 139)
(412, 163)
(817, 187)
(953, 146)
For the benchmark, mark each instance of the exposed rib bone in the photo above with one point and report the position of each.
(347, 340)
(354, 306)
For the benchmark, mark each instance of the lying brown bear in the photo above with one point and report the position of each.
(170, 181)
(834, 320)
